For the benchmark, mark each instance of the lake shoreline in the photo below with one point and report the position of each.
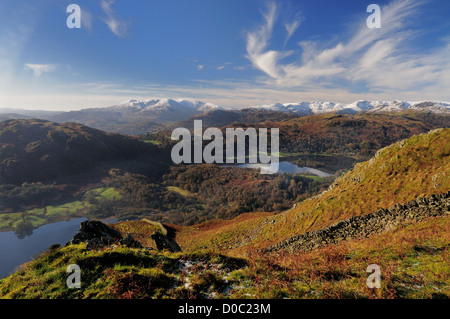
(15, 251)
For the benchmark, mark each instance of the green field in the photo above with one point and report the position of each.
(52, 213)
(181, 191)
(105, 192)
(314, 177)
(153, 142)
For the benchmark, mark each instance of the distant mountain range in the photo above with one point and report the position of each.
(319, 107)
(142, 116)
(157, 111)
(11, 114)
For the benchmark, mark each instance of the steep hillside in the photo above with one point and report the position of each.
(38, 150)
(418, 166)
(50, 172)
(368, 225)
(399, 173)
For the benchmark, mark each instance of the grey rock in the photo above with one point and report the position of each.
(165, 242)
(130, 242)
(97, 235)
(366, 225)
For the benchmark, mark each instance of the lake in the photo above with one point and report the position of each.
(15, 251)
(288, 167)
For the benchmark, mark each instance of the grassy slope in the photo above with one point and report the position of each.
(413, 259)
(414, 262)
(399, 173)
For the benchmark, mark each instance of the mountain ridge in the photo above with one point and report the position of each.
(135, 117)
(320, 107)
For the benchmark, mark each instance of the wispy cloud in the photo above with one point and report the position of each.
(379, 59)
(86, 19)
(257, 42)
(38, 69)
(290, 29)
(117, 25)
(200, 67)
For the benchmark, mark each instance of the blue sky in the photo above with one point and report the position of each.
(230, 52)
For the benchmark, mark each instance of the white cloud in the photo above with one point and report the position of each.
(38, 69)
(257, 42)
(290, 29)
(379, 59)
(240, 68)
(117, 25)
(221, 67)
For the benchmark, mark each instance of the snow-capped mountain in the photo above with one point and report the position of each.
(157, 111)
(140, 116)
(165, 104)
(318, 107)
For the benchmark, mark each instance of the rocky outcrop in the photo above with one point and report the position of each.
(370, 224)
(165, 242)
(97, 235)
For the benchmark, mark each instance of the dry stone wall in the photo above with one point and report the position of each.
(369, 224)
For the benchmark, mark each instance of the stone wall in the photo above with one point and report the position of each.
(366, 225)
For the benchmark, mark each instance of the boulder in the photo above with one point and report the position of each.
(97, 235)
(165, 242)
(130, 242)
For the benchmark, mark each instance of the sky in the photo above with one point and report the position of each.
(232, 53)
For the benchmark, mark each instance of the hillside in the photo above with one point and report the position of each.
(329, 142)
(413, 259)
(37, 150)
(55, 171)
(399, 173)
(411, 168)
(361, 133)
(413, 254)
